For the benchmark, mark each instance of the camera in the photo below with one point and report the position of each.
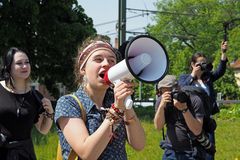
(179, 95)
(205, 66)
(207, 145)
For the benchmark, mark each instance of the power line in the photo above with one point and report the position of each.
(134, 29)
(115, 21)
(135, 33)
(161, 12)
(131, 31)
(109, 22)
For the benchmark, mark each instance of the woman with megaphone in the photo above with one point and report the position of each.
(100, 129)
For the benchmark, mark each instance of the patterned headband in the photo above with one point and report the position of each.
(91, 48)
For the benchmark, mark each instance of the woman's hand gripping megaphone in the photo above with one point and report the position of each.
(120, 72)
(123, 89)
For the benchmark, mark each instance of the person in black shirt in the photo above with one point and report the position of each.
(20, 109)
(183, 121)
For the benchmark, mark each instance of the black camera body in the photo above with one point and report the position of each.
(205, 66)
(180, 96)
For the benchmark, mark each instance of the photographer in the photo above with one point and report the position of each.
(203, 76)
(183, 116)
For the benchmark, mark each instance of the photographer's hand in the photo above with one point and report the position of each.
(159, 118)
(194, 124)
(180, 106)
(166, 98)
(196, 71)
(224, 48)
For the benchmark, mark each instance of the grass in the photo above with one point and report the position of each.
(227, 140)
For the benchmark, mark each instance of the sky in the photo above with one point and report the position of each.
(105, 15)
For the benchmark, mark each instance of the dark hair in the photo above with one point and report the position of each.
(195, 57)
(7, 61)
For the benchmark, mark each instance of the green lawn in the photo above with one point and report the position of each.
(227, 141)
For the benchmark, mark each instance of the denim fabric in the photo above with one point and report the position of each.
(197, 153)
(170, 154)
(187, 155)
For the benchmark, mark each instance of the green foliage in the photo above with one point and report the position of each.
(227, 86)
(146, 113)
(185, 27)
(49, 31)
(230, 112)
(144, 91)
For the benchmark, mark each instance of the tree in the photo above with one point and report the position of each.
(185, 27)
(145, 91)
(49, 31)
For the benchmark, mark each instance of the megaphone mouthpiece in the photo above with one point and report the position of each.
(106, 79)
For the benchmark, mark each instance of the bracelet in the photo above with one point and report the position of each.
(48, 115)
(117, 110)
(113, 117)
(109, 117)
(184, 110)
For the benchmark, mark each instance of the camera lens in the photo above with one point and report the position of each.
(180, 96)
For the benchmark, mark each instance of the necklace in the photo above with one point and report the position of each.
(19, 99)
(19, 104)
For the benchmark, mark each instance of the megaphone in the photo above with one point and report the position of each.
(145, 59)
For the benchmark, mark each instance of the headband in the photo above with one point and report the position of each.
(91, 48)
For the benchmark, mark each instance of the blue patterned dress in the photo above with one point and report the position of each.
(68, 107)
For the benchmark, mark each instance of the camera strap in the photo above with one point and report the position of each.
(163, 134)
(38, 99)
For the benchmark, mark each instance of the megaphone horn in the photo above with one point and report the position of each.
(146, 60)
(158, 67)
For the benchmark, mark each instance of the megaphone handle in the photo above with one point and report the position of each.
(128, 102)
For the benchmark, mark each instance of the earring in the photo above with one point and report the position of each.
(84, 82)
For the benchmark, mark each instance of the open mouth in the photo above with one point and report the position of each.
(101, 75)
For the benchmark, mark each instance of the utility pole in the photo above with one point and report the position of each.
(121, 22)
